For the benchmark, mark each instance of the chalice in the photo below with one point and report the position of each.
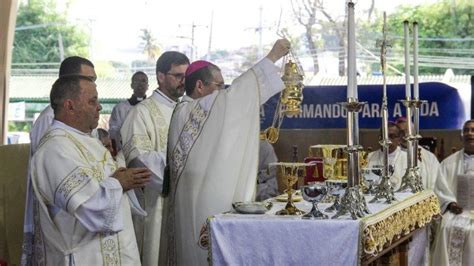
(314, 193)
(290, 173)
(336, 188)
(328, 168)
(371, 176)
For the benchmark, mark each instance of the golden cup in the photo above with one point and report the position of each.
(290, 172)
(334, 159)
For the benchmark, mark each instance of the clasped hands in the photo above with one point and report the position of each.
(454, 208)
(132, 177)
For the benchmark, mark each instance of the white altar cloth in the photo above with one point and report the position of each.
(243, 239)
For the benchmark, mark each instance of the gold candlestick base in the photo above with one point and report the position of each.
(290, 209)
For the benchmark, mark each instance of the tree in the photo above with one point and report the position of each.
(305, 14)
(43, 35)
(311, 13)
(337, 28)
(445, 41)
(150, 48)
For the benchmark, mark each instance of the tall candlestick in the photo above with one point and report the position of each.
(352, 201)
(415, 61)
(351, 54)
(407, 61)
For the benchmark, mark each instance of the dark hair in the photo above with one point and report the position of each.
(204, 74)
(72, 65)
(102, 133)
(168, 59)
(391, 124)
(66, 87)
(467, 122)
(138, 73)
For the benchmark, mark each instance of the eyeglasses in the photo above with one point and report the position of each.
(177, 76)
(219, 85)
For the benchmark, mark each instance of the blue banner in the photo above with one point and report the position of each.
(444, 108)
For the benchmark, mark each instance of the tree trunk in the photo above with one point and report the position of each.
(371, 10)
(312, 49)
(342, 56)
(342, 33)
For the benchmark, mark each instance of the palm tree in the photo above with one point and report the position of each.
(151, 49)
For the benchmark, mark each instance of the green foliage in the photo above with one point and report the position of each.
(39, 43)
(442, 27)
(150, 48)
(19, 126)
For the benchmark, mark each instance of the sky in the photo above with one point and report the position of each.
(115, 24)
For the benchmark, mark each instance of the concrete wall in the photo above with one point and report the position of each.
(8, 10)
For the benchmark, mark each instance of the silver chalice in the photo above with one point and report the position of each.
(314, 193)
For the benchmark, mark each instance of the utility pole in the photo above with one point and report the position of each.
(208, 56)
(259, 30)
(60, 46)
(193, 47)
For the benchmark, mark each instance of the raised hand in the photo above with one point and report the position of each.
(279, 49)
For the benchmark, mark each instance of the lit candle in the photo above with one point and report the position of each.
(351, 54)
(407, 61)
(415, 61)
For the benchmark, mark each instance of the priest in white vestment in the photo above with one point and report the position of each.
(70, 66)
(119, 112)
(213, 150)
(428, 169)
(267, 186)
(144, 137)
(454, 243)
(427, 161)
(397, 159)
(82, 215)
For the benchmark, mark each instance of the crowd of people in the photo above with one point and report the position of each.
(145, 201)
(140, 194)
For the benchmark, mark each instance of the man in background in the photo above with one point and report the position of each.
(267, 186)
(454, 243)
(73, 65)
(144, 138)
(119, 112)
(397, 159)
(427, 161)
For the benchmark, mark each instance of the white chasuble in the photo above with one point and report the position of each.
(454, 242)
(144, 138)
(213, 157)
(39, 128)
(119, 112)
(429, 166)
(81, 217)
(397, 159)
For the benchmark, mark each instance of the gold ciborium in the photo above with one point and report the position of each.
(290, 174)
(334, 160)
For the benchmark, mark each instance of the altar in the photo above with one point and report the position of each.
(268, 239)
